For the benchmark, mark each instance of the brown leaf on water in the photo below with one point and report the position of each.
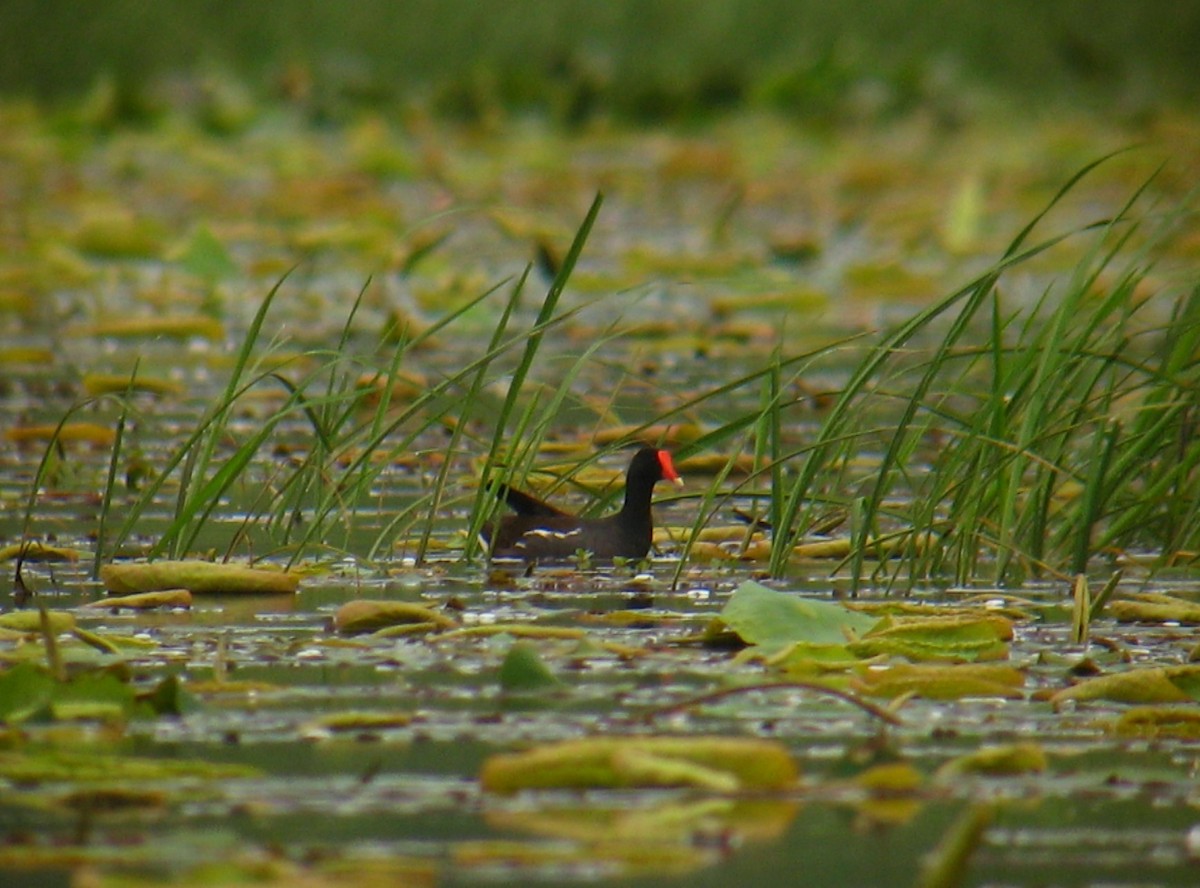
(890, 778)
(897, 608)
(145, 600)
(712, 463)
(68, 433)
(176, 326)
(35, 550)
(1154, 607)
(366, 615)
(113, 798)
(1158, 721)
(641, 858)
(406, 386)
(347, 722)
(25, 354)
(707, 553)
(1153, 684)
(673, 820)
(882, 547)
(945, 866)
(116, 232)
(118, 383)
(199, 577)
(667, 435)
(718, 764)
(517, 630)
(938, 682)
(997, 761)
(961, 637)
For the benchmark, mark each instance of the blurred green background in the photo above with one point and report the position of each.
(631, 59)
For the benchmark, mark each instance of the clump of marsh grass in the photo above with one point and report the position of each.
(1022, 440)
(1067, 432)
(314, 502)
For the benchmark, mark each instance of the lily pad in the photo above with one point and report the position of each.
(365, 615)
(31, 621)
(958, 637)
(774, 619)
(1159, 721)
(1006, 760)
(942, 682)
(146, 600)
(90, 765)
(1154, 608)
(524, 671)
(28, 691)
(714, 763)
(198, 577)
(1153, 684)
(35, 550)
(176, 326)
(104, 383)
(67, 433)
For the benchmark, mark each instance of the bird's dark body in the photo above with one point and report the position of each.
(541, 532)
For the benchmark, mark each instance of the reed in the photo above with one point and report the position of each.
(1060, 433)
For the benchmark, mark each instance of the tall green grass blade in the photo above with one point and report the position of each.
(532, 344)
(110, 480)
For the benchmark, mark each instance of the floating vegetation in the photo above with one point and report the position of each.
(197, 577)
(270, 425)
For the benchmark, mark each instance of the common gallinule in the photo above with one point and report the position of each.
(540, 531)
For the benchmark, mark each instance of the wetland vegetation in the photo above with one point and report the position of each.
(923, 612)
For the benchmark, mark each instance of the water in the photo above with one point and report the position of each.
(402, 800)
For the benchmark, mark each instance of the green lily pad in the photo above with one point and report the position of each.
(943, 681)
(28, 691)
(1154, 684)
(954, 638)
(524, 671)
(774, 619)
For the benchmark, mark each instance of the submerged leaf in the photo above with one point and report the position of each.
(613, 762)
(627, 858)
(946, 864)
(662, 820)
(998, 761)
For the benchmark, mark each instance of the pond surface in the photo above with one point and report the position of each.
(358, 756)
